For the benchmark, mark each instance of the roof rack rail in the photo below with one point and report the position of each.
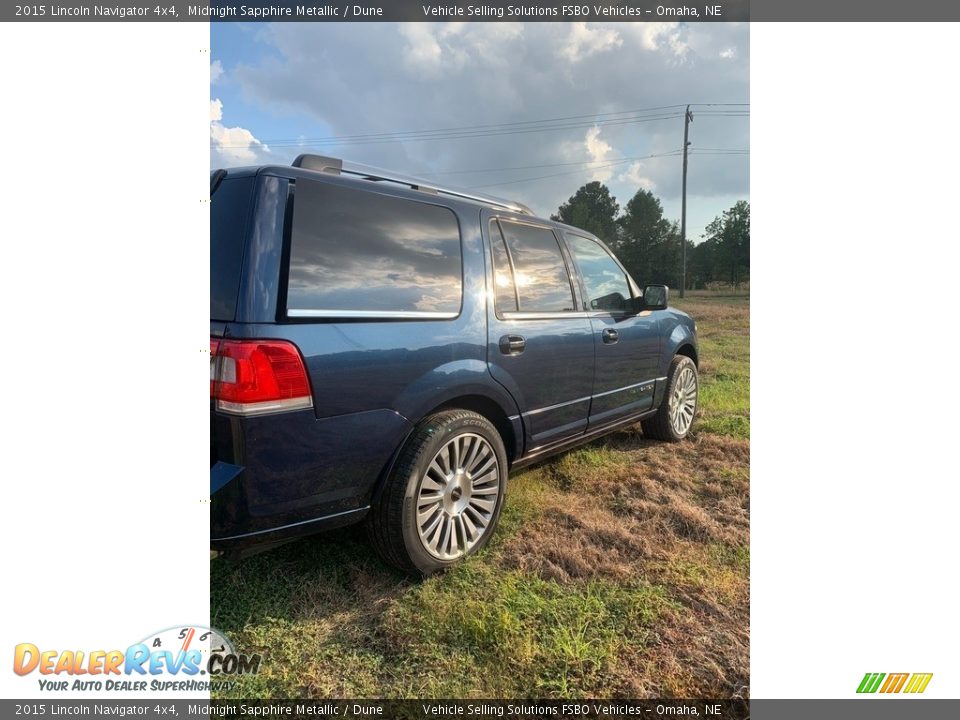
(335, 166)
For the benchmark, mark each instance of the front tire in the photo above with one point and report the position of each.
(443, 499)
(675, 416)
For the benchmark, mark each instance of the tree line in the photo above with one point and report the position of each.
(648, 244)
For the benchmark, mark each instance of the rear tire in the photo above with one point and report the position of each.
(675, 416)
(442, 501)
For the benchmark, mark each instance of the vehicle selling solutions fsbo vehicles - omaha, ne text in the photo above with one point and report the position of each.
(386, 351)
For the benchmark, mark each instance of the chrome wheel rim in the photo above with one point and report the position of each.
(457, 496)
(683, 401)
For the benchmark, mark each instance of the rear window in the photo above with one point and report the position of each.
(229, 214)
(365, 254)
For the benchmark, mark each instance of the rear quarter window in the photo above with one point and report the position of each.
(229, 215)
(362, 253)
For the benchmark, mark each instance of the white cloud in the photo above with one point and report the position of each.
(667, 36)
(216, 71)
(439, 49)
(454, 28)
(584, 41)
(633, 176)
(599, 150)
(231, 145)
(351, 78)
(728, 53)
(423, 52)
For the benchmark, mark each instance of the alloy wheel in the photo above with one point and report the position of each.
(457, 496)
(683, 401)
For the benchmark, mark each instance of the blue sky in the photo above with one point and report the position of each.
(277, 88)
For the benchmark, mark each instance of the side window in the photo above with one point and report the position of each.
(229, 210)
(605, 283)
(540, 272)
(361, 252)
(505, 290)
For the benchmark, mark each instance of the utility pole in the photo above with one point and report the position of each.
(687, 119)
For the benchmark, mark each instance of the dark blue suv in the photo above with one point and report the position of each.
(386, 351)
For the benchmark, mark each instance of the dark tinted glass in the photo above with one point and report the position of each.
(605, 282)
(362, 251)
(540, 272)
(229, 213)
(506, 297)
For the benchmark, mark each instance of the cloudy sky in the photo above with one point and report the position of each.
(524, 111)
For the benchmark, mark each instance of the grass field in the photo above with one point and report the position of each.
(620, 569)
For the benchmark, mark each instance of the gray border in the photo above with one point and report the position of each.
(387, 10)
(891, 708)
(543, 11)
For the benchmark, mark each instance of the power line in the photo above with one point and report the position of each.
(604, 163)
(672, 153)
(737, 150)
(388, 138)
(662, 112)
(545, 165)
(459, 128)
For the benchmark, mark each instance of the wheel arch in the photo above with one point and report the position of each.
(492, 411)
(688, 350)
(509, 428)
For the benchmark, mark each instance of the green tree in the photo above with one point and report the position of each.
(702, 263)
(727, 246)
(648, 244)
(593, 209)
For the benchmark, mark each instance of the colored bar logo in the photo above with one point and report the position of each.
(894, 682)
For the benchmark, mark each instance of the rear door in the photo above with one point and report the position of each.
(540, 345)
(627, 343)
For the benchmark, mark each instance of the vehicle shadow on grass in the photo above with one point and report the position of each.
(322, 577)
(332, 620)
(329, 575)
(337, 575)
(332, 590)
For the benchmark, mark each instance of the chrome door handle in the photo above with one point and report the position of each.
(512, 344)
(610, 336)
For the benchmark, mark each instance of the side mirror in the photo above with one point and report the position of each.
(655, 297)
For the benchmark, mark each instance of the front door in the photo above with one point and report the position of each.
(540, 345)
(627, 344)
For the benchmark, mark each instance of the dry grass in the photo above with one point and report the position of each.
(675, 516)
(620, 569)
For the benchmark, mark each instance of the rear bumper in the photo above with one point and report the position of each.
(274, 478)
(285, 533)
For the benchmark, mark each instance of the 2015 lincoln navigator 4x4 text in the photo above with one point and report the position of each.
(386, 351)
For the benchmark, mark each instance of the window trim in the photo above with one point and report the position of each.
(493, 266)
(287, 313)
(391, 314)
(520, 313)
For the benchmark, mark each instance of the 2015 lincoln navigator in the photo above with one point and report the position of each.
(386, 351)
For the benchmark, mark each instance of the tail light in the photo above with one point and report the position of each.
(257, 377)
